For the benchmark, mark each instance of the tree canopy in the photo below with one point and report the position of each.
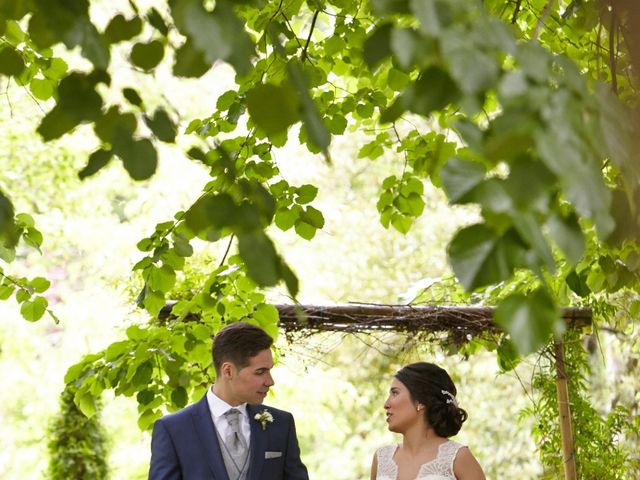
(525, 109)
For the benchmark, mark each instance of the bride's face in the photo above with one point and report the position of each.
(401, 409)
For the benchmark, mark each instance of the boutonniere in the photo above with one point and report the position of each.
(264, 417)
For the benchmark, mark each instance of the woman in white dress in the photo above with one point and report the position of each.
(422, 407)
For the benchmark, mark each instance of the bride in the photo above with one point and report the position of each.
(422, 407)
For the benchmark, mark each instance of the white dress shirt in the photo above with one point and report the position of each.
(219, 407)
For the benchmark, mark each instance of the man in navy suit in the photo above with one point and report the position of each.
(200, 442)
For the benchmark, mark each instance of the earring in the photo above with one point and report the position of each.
(418, 408)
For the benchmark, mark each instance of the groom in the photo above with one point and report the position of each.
(228, 434)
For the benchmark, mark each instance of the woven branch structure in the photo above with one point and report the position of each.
(459, 322)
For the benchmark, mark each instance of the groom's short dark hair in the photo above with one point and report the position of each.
(237, 343)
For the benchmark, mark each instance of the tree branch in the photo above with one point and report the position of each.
(516, 11)
(545, 13)
(313, 25)
(612, 51)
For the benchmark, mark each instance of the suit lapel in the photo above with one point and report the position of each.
(205, 429)
(258, 443)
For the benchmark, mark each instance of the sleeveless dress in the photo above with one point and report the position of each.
(440, 468)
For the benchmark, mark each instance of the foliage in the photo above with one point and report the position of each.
(529, 122)
(498, 104)
(168, 363)
(77, 444)
(598, 441)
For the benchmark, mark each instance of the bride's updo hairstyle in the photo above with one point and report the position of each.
(432, 386)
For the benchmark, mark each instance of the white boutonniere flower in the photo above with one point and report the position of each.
(264, 417)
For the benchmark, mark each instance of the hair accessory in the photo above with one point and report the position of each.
(451, 398)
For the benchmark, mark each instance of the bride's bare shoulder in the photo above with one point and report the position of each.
(466, 466)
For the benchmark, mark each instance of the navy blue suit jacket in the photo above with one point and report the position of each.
(184, 446)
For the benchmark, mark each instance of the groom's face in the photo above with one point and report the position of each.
(251, 383)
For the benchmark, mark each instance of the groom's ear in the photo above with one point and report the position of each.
(226, 369)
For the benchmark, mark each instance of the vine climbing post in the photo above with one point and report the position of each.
(568, 457)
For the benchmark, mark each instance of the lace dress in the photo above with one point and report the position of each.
(440, 468)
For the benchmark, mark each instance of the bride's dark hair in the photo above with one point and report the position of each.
(426, 383)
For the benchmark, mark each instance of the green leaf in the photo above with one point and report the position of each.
(86, 403)
(132, 96)
(42, 88)
(160, 279)
(474, 71)
(179, 397)
(579, 172)
(311, 119)
(306, 194)
(567, 233)
(57, 69)
(433, 90)
(14, 9)
(145, 397)
(212, 211)
(162, 126)
(434, 16)
(305, 230)
(113, 124)
(11, 63)
(33, 310)
(285, 219)
(479, 257)
(182, 246)
(94, 47)
(273, 108)
(120, 29)
(156, 21)
(190, 61)
(508, 357)
(142, 375)
(97, 160)
(78, 102)
(530, 184)
(117, 349)
(534, 60)
(139, 158)
(153, 302)
(260, 256)
(397, 79)
(530, 320)
(312, 217)
(459, 177)
(377, 45)
(147, 418)
(401, 223)
(22, 295)
(8, 231)
(267, 318)
(290, 280)
(415, 204)
(397, 108)
(205, 29)
(578, 283)
(40, 284)
(147, 55)
(383, 7)
(33, 238)
(529, 230)
(409, 49)
(6, 291)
